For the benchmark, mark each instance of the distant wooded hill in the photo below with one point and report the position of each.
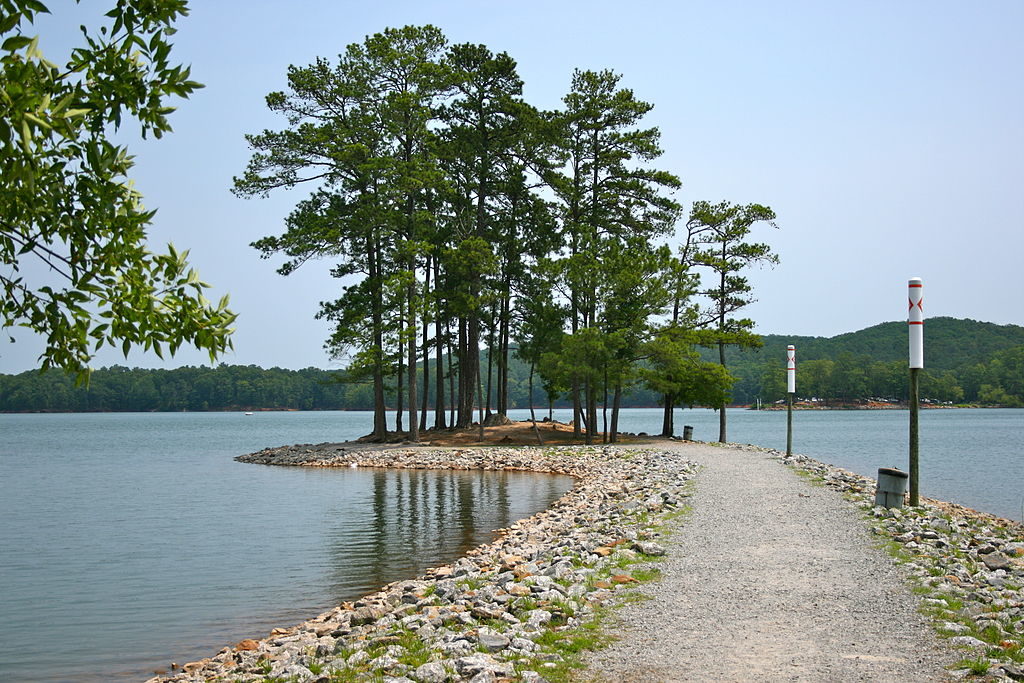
(967, 361)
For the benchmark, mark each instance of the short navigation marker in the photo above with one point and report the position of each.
(790, 390)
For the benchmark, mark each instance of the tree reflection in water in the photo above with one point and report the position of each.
(411, 520)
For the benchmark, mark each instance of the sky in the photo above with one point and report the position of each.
(887, 137)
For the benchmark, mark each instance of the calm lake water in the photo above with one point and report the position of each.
(974, 457)
(132, 540)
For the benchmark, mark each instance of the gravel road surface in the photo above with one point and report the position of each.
(771, 578)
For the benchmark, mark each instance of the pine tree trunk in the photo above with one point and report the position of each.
(414, 427)
(667, 419)
(426, 348)
(604, 408)
(533, 417)
(473, 370)
(464, 408)
(380, 418)
(439, 422)
(453, 398)
(503, 343)
(617, 402)
(721, 412)
(490, 361)
(480, 403)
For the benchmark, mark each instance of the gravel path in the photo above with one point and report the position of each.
(771, 579)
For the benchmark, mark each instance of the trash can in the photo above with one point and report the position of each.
(687, 433)
(892, 484)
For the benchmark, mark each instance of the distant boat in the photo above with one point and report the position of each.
(248, 413)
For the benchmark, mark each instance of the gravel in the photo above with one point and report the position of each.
(771, 578)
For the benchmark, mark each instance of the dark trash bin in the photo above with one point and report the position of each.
(687, 433)
(892, 485)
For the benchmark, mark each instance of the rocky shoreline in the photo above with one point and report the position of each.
(519, 608)
(967, 566)
(514, 608)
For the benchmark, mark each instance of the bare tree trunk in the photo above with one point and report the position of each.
(453, 398)
(617, 401)
(465, 376)
(533, 417)
(480, 402)
(472, 369)
(668, 418)
(380, 417)
(426, 347)
(504, 343)
(414, 426)
(400, 380)
(577, 410)
(721, 412)
(439, 341)
(604, 408)
(490, 360)
(591, 411)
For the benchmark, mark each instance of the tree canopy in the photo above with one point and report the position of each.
(73, 239)
(463, 218)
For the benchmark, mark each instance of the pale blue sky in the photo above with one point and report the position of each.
(888, 137)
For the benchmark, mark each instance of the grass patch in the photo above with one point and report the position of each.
(975, 667)
(810, 477)
(645, 574)
(568, 647)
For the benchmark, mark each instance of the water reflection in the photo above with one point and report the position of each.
(416, 519)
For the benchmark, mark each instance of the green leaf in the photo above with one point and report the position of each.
(26, 137)
(16, 43)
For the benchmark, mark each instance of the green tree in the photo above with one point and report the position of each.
(675, 370)
(67, 199)
(359, 134)
(722, 229)
(540, 330)
(476, 146)
(606, 192)
(634, 289)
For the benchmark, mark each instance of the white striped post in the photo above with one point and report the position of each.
(790, 391)
(915, 325)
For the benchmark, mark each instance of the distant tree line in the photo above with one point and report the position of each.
(227, 387)
(969, 362)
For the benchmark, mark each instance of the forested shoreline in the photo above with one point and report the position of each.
(986, 369)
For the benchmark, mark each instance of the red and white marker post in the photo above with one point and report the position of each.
(790, 391)
(915, 325)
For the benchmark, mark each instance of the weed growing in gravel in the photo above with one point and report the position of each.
(360, 675)
(976, 667)
(568, 646)
(416, 651)
(472, 582)
(524, 604)
(645, 574)
(810, 477)
(632, 598)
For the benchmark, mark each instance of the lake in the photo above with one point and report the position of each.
(974, 457)
(133, 540)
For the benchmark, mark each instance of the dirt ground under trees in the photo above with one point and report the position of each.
(512, 434)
